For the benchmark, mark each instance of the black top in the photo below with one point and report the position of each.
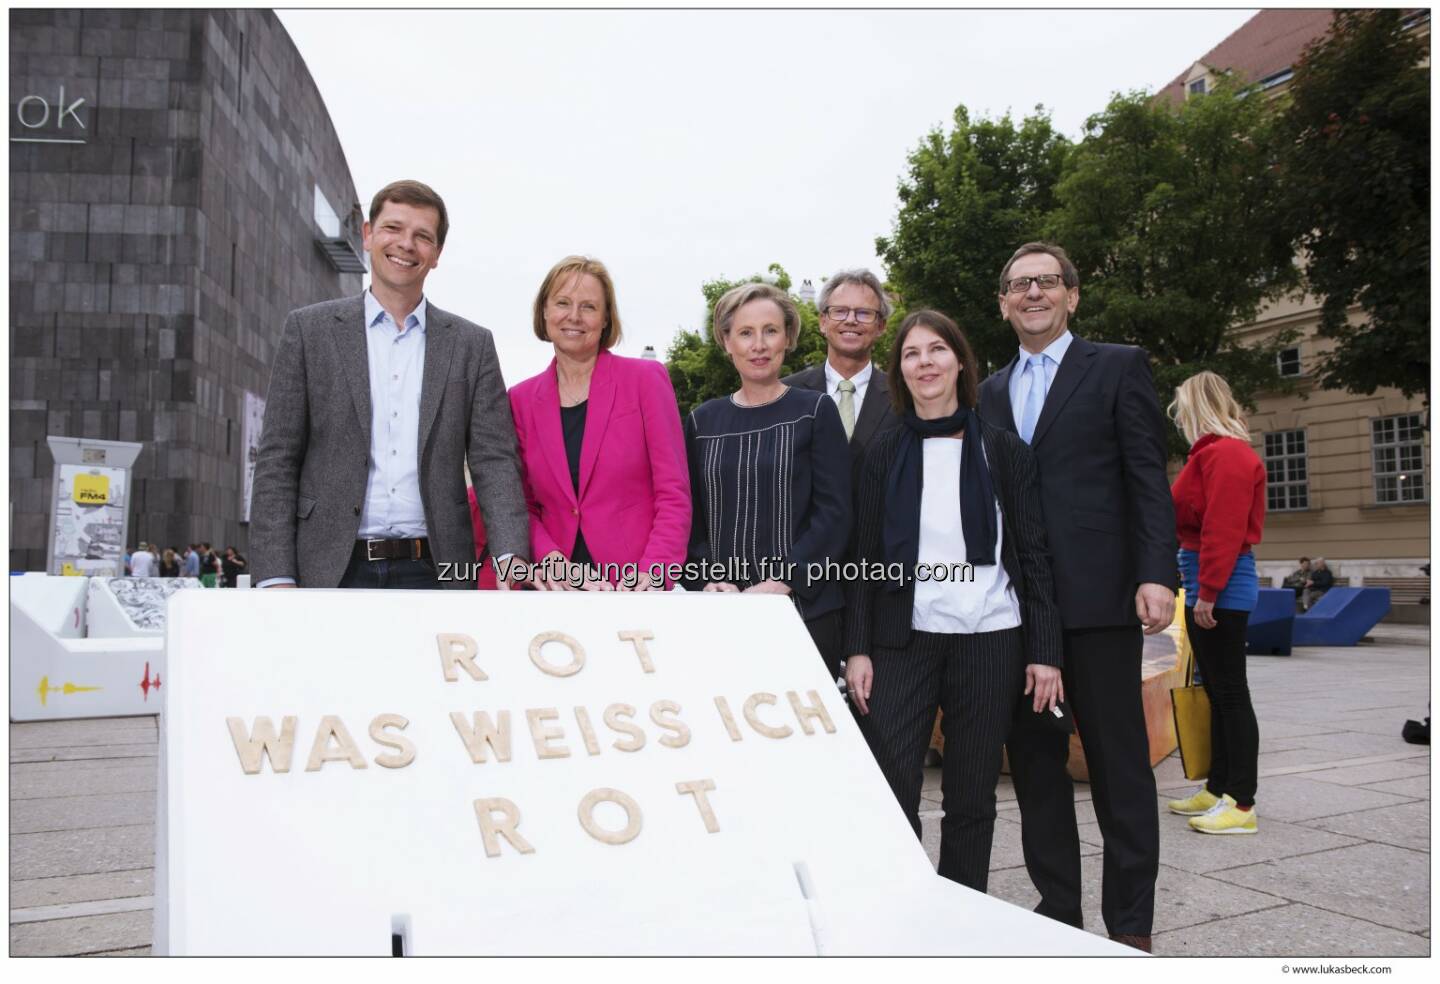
(771, 483)
(572, 422)
(877, 617)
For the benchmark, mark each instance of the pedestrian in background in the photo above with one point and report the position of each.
(1219, 515)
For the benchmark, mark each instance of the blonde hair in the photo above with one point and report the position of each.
(576, 266)
(1204, 405)
(737, 297)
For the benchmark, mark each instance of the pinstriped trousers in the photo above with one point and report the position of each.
(977, 680)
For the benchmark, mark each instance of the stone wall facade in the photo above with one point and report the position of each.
(155, 253)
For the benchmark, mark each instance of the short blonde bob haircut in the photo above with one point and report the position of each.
(737, 297)
(1204, 405)
(576, 266)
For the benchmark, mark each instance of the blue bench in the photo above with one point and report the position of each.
(1268, 632)
(1342, 617)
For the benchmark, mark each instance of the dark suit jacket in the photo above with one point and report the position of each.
(876, 616)
(313, 463)
(1099, 446)
(876, 414)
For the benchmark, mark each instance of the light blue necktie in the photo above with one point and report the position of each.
(1035, 366)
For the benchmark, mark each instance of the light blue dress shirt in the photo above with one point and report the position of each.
(1019, 380)
(393, 509)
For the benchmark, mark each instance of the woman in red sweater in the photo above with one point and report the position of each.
(1219, 512)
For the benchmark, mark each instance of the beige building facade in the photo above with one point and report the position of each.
(1349, 475)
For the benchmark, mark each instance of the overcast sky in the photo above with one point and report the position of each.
(682, 146)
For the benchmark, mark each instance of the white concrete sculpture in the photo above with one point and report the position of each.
(487, 773)
(84, 647)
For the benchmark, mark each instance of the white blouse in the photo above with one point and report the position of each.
(969, 599)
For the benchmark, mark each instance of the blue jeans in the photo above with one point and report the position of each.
(411, 574)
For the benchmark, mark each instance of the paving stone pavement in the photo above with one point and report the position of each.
(1341, 866)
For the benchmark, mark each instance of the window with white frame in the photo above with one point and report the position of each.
(1287, 476)
(1398, 444)
(1287, 361)
(1197, 88)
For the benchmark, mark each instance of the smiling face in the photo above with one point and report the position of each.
(575, 316)
(404, 246)
(931, 371)
(1038, 316)
(847, 336)
(756, 341)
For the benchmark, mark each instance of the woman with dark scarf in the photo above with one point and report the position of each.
(971, 627)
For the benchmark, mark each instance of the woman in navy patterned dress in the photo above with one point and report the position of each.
(770, 473)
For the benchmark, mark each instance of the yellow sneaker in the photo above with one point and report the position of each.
(1226, 818)
(1200, 803)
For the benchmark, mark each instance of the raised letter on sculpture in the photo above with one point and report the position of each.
(345, 749)
(681, 737)
(543, 736)
(614, 718)
(815, 709)
(638, 637)
(577, 654)
(484, 732)
(614, 715)
(755, 701)
(633, 818)
(404, 752)
(587, 731)
(731, 728)
(492, 829)
(698, 788)
(458, 649)
(253, 748)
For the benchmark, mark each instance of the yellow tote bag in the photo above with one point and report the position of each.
(1191, 706)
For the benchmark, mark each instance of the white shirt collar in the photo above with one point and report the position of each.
(1055, 350)
(860, 379)
(373, 311)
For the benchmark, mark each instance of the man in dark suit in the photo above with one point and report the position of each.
(853, 311)
(376, 404)
(1090, 415)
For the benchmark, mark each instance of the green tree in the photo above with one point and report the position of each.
(968, 199)
(1356, 162)
(700, 370)
(1171, 216)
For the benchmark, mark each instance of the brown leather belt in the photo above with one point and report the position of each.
(416, 549)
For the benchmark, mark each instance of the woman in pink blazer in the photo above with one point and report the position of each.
(601, 448)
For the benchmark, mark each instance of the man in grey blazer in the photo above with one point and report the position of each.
(376, 404)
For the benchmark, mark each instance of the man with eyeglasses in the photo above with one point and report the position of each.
(1091, 417)
(853, 311)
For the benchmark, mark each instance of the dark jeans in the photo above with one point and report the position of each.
(976, 680)
(1234, 734)
(411, 574)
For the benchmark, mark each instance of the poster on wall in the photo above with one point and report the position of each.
(250, 441)
(89, 535)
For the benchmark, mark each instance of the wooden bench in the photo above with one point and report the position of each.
(1403, 590)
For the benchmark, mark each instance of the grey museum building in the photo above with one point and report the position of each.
(176, 187)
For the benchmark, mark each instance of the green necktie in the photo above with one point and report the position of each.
(847, 407)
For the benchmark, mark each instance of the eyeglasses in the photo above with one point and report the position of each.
(1047, 281)
(862, 316)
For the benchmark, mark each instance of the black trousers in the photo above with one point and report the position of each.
(1102, 687)
(412, 574)
(1234, 733)
(976, 680)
